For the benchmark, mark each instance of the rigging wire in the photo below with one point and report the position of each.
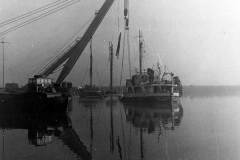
(126, 33)
(122, 59)
(32, 12)
(67, 46)
(38, 17)
(118, 18)
(84, 77)
(58, 69)
(85, 73)
(118, 28)
(99, 77)
(129, 56)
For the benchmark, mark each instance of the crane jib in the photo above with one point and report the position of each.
(84, 41)
(73, 54)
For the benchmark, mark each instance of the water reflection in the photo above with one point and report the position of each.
(43, 126)
(113, 130)
(90, 105)
(120, 122)
(110, 102)
(151, 118)
(109, 129)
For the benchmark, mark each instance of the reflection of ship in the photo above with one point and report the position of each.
(152, 117)
(90, 105)
(43, 128)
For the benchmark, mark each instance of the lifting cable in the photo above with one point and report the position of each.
(84, 76)
(32, 12)
(11, 29)
(85, 70)
(129, 56)
(122, 59)
(67, 46)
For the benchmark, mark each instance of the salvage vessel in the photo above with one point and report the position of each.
(151, 85)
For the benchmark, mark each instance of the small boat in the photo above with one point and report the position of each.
(91, 92)
(148, 86)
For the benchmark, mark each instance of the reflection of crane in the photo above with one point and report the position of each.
(72, 55)
(43, 128)
(70, 138)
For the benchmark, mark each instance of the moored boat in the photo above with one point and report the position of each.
(142, 87)
(151, 85)
(90, 92)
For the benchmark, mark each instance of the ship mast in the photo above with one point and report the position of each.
(91, 63)
(3, 63)
(126, 33)
(140, 51)
(111, 65)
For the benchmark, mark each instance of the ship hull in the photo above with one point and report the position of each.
(32, 102)
(149, 98)
(91, 94)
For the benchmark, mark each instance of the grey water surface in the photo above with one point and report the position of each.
(204, 125)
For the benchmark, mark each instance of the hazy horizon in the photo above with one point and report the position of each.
(197, 40)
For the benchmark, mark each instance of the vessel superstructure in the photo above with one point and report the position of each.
(150, 85)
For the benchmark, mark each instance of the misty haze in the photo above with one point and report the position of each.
(119, 79)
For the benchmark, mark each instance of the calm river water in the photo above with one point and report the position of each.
(205, 125)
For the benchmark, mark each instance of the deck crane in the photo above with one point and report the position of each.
(44, 86)
(72, 55)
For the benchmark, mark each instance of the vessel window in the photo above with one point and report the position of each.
(175, 89)
(148, 89)
(157, 89)
(138, 90)
(130, 90)
(166, 89)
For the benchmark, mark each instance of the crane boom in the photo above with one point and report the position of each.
(73, 54)
(77, 51)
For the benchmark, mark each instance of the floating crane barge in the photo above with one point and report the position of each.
(40, 87)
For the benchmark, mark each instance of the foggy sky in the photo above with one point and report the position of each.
(198, 40)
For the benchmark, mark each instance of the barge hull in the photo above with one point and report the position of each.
(11, 102)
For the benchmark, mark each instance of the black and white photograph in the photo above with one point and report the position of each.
(119, 80)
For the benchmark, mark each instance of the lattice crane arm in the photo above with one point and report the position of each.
(71, 57)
